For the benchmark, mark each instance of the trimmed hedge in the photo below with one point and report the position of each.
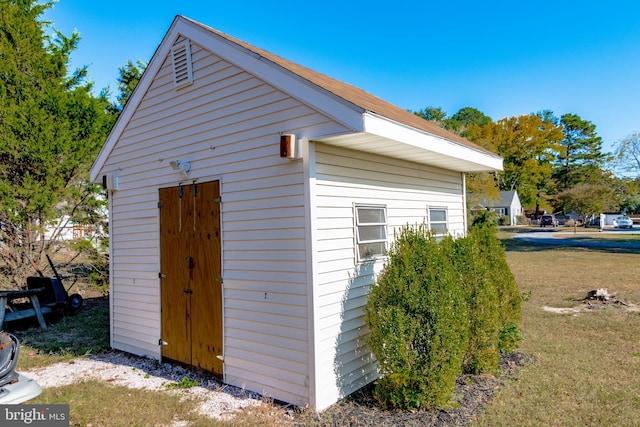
(509, 299)
(417, 316)
(439, 309)
(482, 304)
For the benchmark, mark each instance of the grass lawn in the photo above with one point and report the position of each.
(588, 363)
(587, 370)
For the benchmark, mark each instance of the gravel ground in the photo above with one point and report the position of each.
(220, 400)
(472, 392)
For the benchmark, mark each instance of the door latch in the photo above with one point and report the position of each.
(190, 261)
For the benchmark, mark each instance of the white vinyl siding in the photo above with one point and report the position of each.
(345, 178)
(227, 124)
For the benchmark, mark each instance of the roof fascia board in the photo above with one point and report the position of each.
(293, 85)
(134, 100)
(381, 126)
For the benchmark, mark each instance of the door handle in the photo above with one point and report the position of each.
(187, 291)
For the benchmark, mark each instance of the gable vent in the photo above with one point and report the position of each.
(182, 67)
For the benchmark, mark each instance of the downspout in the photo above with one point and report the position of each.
(307, 149)
(110, 194)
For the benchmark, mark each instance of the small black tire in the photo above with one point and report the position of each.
(75, 302)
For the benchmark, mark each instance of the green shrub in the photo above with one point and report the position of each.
(418, 323)
(498, 273)
(440, 309)
(483, 306)
(509, 338)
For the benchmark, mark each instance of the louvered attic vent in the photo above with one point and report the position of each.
(182, 67)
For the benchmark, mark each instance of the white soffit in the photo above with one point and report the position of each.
(387, 138)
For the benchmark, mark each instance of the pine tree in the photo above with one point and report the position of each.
(582, 160)
(51, 128)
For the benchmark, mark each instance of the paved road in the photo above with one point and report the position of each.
(552, 237)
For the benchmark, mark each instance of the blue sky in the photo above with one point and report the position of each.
(505, 58)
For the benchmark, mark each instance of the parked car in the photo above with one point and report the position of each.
(14, 387)
(548, 220)
(623, 222)
(569, 219)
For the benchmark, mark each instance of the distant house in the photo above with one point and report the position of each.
(66, 230)
(508, 205)
(252, 202)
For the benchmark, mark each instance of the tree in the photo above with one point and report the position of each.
(51, 128)
(627, 156)
(481, 187)
(464, 118)
(630, 196)
(528, 145)
(128, 79)
(588, 200)
(582, 159)
(469, 115)
(433, 114)
(457, 123)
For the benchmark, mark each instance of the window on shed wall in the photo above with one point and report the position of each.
(371, 232)
(438, 221)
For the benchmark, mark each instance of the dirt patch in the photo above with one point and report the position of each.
(596, 301)
(472, 392)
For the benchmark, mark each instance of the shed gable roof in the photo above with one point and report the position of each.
(358, 97)
(378, 126)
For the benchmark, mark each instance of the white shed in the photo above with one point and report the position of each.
(251, 203)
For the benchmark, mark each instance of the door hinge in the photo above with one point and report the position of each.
(220, 280)
(217, 199)
(161, 275)
(162, 342)
(161, 205)
(220, 357)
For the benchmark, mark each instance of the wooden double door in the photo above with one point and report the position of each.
(191, 279)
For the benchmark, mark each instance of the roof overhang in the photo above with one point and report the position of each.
(368, 131)
(388, 138)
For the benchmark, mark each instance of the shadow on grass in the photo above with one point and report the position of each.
(514, 245)
(77, 334)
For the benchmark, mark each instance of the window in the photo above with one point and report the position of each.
(371, 231)
(500, 211)
(438, 221)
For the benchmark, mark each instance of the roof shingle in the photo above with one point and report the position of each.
(353, 95)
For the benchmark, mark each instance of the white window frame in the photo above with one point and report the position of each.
(359, 228)
(438, 232)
